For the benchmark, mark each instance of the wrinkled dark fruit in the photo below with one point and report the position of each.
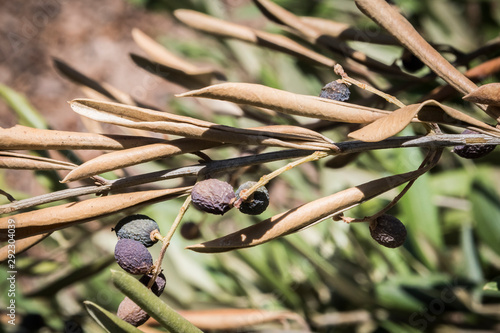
(190, 231)
(159, 284)
(213, 196)
(133, 256)
(137, 227)
(388, 231)
(131, 313)
(255, 204)
(410, 62)
(335, 90)
(473, 151)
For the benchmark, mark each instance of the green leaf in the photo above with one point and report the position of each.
(486, 212)
(150, 303)
(28, 114)
(472, 266)
(109, 321)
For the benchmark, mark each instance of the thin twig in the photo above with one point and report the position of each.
(167, 238)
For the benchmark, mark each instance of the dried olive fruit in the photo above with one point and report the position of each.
(213, 196)
(257, 202)
(133, 256)
(131, 313)
(472, 151)
(388, 231)
(138, 227)
(410, 62)
(159, 284)
(190, 230)
(335, 90)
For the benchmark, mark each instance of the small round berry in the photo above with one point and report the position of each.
(131, 313)
(257, 202)
(388, 231)
(213, 196)
(159, 284)
(472, 151)
(133, 256)
(137, 227)
(410, 62)
(190, 230)
(335, 90)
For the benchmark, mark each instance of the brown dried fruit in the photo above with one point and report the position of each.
(472, 151)
(131, 313)
(388, 231)
(335, 90)
(190, 231)
(213, 196)
(133, 256)
(159, 284)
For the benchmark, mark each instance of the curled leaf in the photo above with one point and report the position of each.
(289, 103)
(58, 217)
(222, 28)
(137, 155)
(303, 216)
(428, 111)
(162, 56)
(27, 138)
(20, 246)
(488, 94)
(10, 160)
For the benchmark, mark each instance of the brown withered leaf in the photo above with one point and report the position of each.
(308, 32)
(161, 55)
(344, 31)
(137, 155)
(396, 24)
(9, 160)
(28, 138)
(289, 103)
(58, 217)
(300, 217)
(488, 94)
(222, 28)
(133, 156)
(162, 122)
(428, 111)
(21, 246)
(227, 319)
(172, 74)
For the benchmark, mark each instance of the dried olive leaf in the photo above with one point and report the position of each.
(137, 155)
(79, 78)
(222, 28)
(227, 319)
(22, 137)
(22, 245)
(133, 156)
(58, 217)
(396, 24)
(172, 74)
(135, 117)
(344, 31)
(428, 111)
(289, 103)
(162, 56)
(300, 217)
(314, 36)
(10, 160)
(487, 94)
